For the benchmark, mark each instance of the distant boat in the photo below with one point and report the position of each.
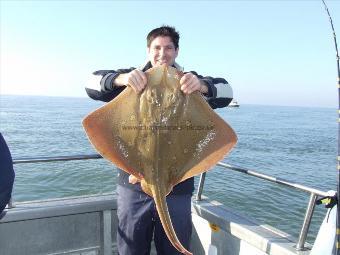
(234, 104)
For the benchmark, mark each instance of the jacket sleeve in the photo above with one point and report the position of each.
(100, 85)
(7, 174)
(220, 93)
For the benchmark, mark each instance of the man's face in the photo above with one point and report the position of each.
(162, 51)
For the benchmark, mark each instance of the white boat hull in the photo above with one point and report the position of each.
(88, 225)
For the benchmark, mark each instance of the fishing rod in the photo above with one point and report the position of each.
(337, 242)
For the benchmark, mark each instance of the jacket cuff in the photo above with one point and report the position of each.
(106, 83)
(212, 92)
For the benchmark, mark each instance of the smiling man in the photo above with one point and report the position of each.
(138, 221)
(162, 49)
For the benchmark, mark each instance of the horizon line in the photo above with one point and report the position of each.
(248, 104)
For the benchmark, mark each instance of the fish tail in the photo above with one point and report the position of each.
(164, 216)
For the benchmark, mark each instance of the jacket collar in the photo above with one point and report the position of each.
(148, 65)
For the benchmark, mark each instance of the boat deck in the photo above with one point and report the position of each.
(88, 225)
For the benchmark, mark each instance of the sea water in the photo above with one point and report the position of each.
(294, 143)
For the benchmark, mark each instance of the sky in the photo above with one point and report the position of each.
(271, 52)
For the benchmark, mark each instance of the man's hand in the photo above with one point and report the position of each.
(136, 79)
(190, 83)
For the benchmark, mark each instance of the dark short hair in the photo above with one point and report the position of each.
(163, 31)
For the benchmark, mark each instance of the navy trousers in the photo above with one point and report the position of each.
(138, 222)
(6, 174)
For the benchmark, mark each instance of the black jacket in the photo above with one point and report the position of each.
(6, 174)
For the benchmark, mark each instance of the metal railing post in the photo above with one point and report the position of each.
(105, 233)
(200, 187)
(10, 204)
(306, 222)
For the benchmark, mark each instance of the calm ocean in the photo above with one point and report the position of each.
(294, 143)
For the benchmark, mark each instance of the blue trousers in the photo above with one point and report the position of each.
(138, 222)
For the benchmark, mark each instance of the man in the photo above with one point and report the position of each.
(137, 215)
(6, 175)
